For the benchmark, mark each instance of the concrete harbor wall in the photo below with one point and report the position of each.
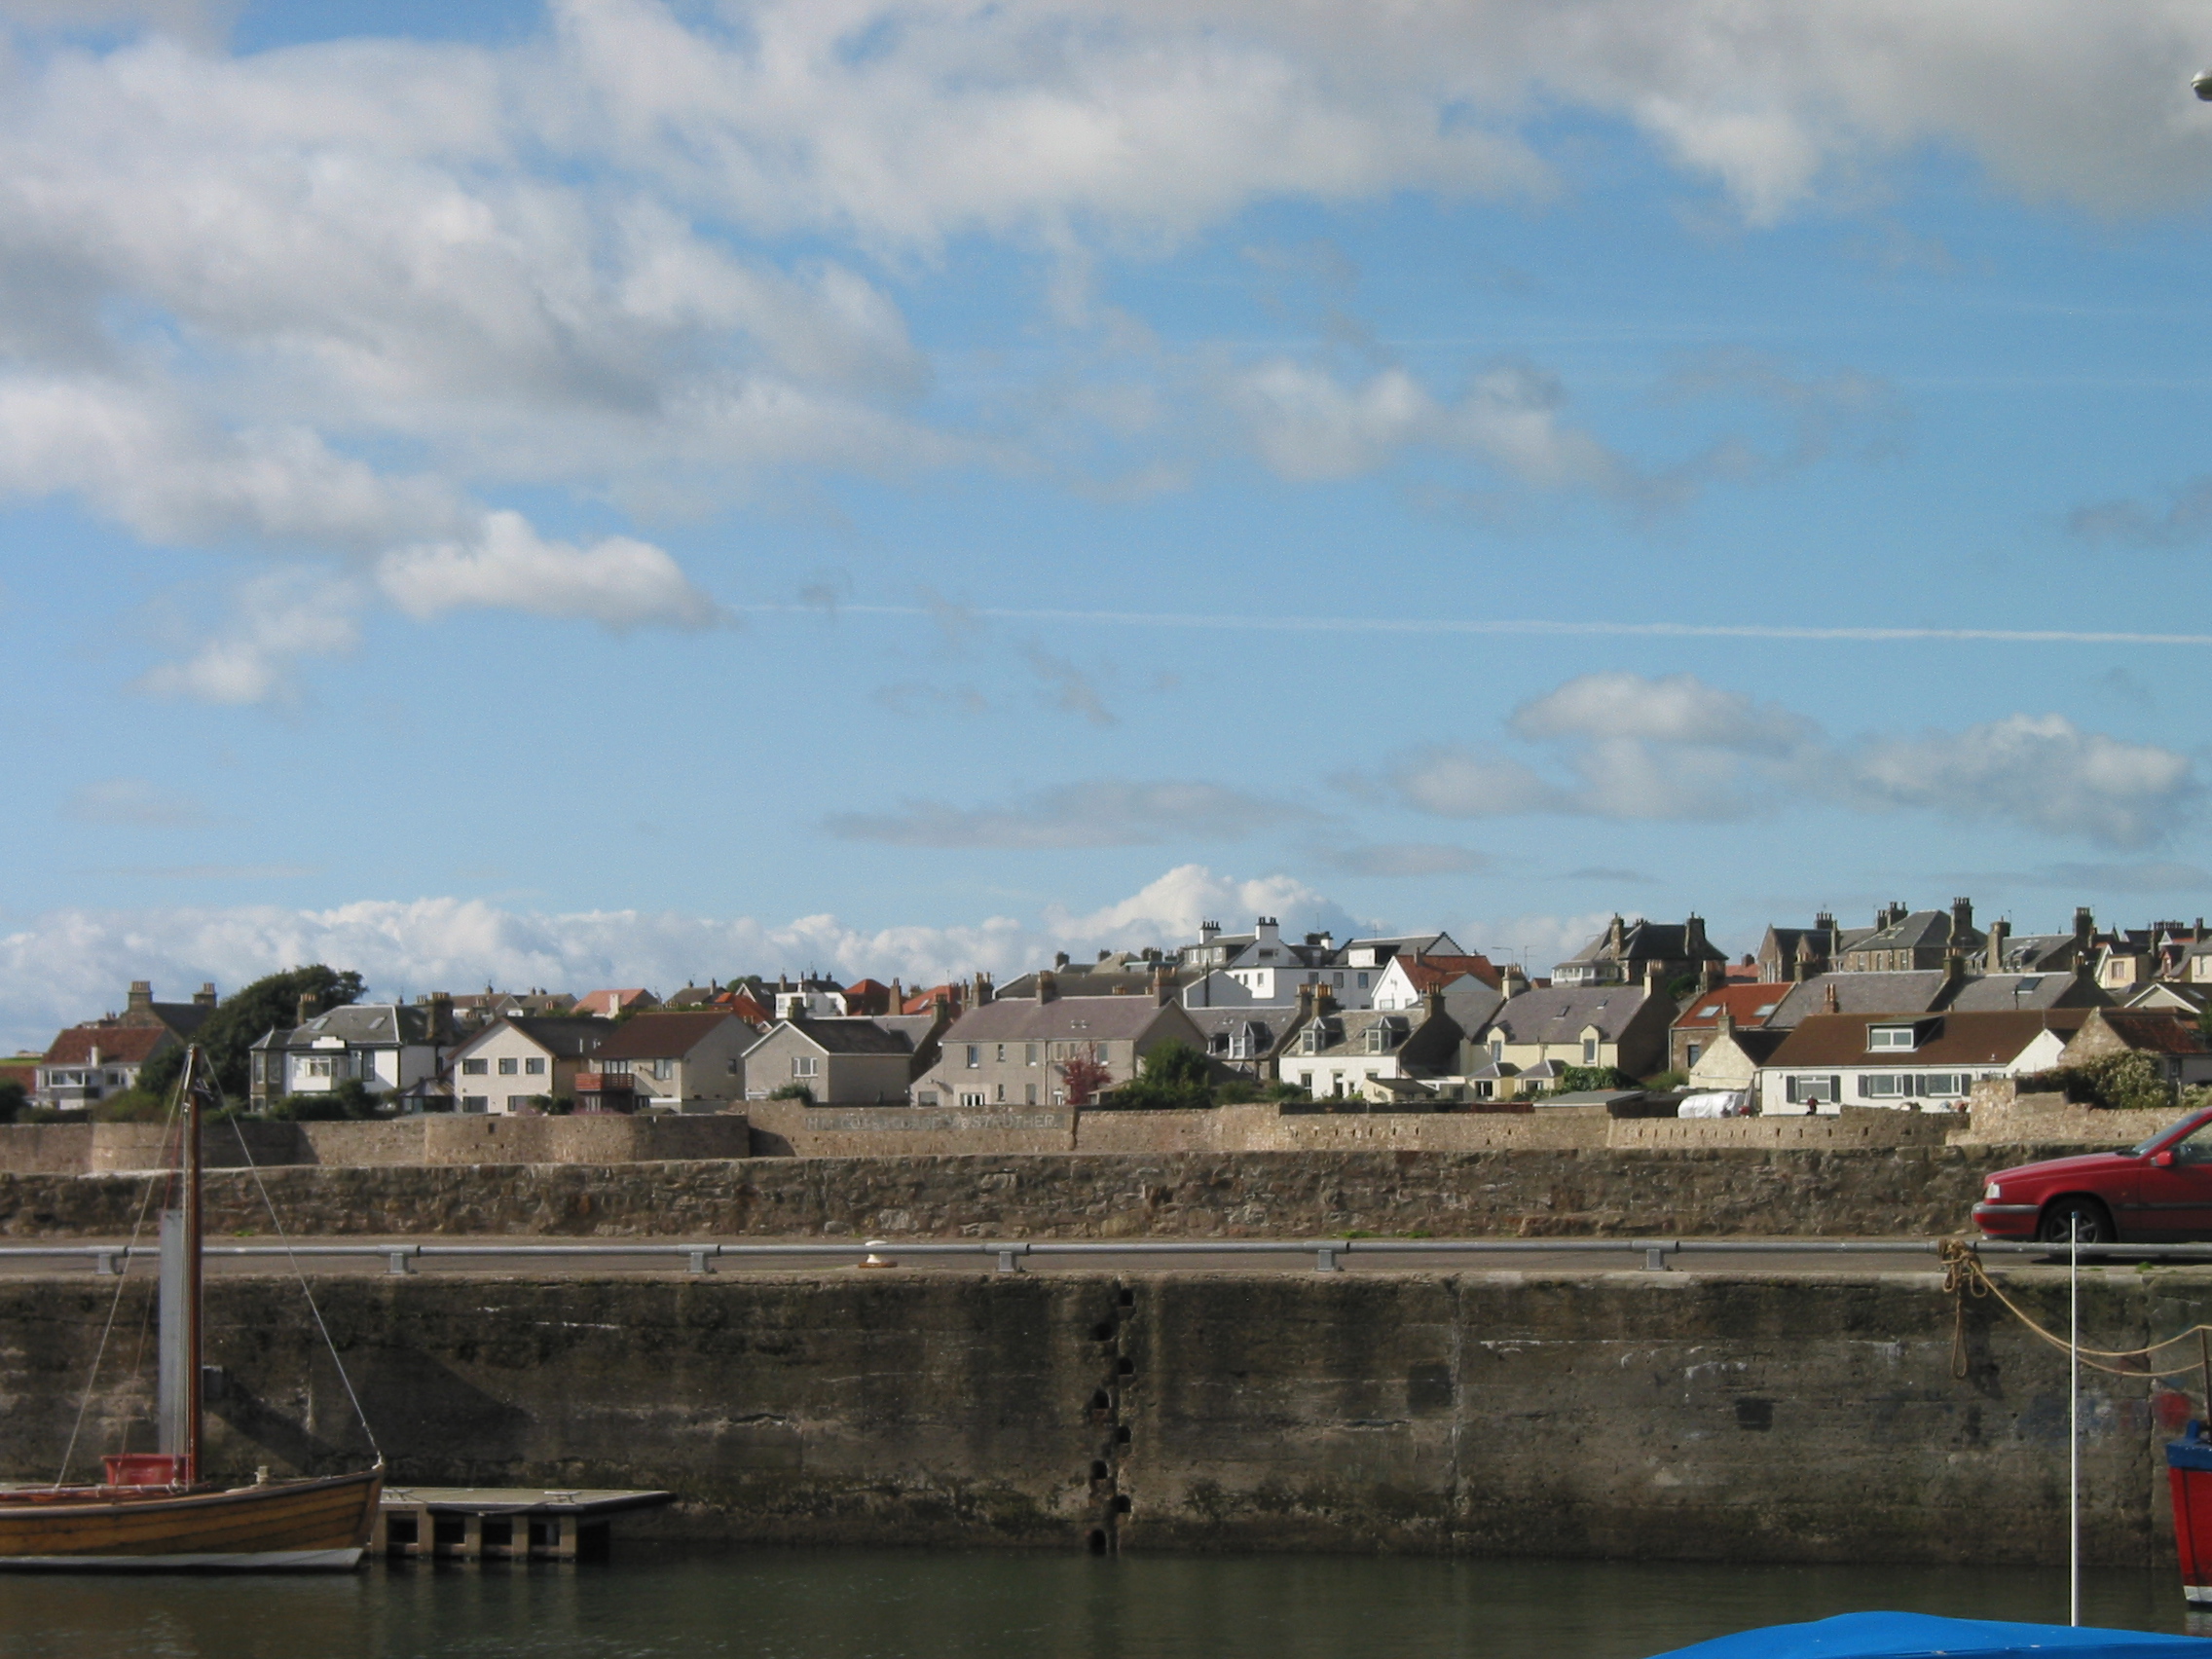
(1605, 1415)
(1917, 1190)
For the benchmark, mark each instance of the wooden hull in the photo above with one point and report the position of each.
(283, 1525)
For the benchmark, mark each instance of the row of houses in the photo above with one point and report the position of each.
(1910, 1011)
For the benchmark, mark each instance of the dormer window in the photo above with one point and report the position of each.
(1893, 1039)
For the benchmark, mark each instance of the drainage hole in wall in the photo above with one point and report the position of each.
(1096, 1540)
(1100, 1403)
(1103, 1330)
(1120, 1437)
(1128, 1299)
(1121, 1503)
(1127, 1368)
(1098, 1471)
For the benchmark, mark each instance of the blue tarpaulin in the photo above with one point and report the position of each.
(1924, 1635)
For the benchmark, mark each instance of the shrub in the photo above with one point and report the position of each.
(793, 1092)
(349, 1099)
(15, 1102)
(1579, 1079)
(131, 1106)
(2113, 1083)
(1174, 1075)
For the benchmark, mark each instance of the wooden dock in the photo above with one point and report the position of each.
(501, 1522)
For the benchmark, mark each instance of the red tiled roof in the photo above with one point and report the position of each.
(1427, 972)
(865, 987)
(1750, 1005)
(925, 1002)
(741, 1003)
(126, 1045)
(610, 1002)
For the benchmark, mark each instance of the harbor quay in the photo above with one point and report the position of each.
(1712, 1416)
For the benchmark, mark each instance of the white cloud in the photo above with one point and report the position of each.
(70, 965)
(1106, 812)
(134, 803)
(1676, 748)
(279, 617)
(616, 581)
(2041, 770)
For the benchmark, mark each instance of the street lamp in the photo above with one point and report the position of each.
(2203, 85)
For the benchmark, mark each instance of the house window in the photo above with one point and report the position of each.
(663, 1070)
(1306, 1082)
(971, 1097)
(535, 1065)
(1689, 1054)
(1029, 1059)
(1881, 1085)
(320, 1066)
(1000, 1092)
(475, 1103)
(1497, 1051)
(1892, 1037)
(1807, 1090)
(806, 1065)
(974, 1056)
(1362, 981)
(475, 1068)
(1002, 1053)
(509, 1066)
(1589, 1050)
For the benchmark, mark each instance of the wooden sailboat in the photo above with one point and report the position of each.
(154, 1511)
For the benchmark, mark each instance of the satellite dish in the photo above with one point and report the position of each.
(2202, 83)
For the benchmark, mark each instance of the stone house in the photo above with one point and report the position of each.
(1741, 1007)
(1908, 1060)
(507, 1065)
(2171, 1038)
(1638, 952)
(689, 1061)
(87, 1064)
(1731, 1057)
(845, 1061)
(1010, 1052)
(1904, 940)
(1799, 953)
(1624, 1026)
(1372, 1053)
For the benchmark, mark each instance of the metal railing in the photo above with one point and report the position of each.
(1327, 1253)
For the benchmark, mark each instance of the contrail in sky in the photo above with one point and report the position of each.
(1491, 626)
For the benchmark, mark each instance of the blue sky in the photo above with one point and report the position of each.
(620, 491)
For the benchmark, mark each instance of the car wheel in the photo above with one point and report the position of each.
(2084, 1219)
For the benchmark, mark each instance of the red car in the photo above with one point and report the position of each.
(2162, 1188)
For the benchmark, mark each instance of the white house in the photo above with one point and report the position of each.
(1911, 1060)
(386, 1048)
(509, 1064)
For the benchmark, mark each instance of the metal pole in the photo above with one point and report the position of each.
(2074, 1421)
(193, 1377)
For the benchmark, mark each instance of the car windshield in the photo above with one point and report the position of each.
(2197, 1118)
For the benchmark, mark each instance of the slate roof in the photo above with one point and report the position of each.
(1414, 1037)
(364, 1025)
(666, 1035)
(854, 1034)
(1559, 1013)
(1271, 1020)
(124, 1044)
(1759, 1043)
(1910, 992)
(570, 1037)
(1644, 941)
(1919, 929)
(1078, 1018)
(1949, 1039)
(2037, 953)
(1989, 993)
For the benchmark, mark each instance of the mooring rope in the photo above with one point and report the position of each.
(1964, 1275)
(299, 1274)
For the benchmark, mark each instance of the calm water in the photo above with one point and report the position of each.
(915, 1604)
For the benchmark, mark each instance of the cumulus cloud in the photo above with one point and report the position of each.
(616, 581)
(278, 617)
(1676, 748)
(2040, 770)
(70, 965)
(1107, 812)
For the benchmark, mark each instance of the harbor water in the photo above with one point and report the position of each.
(660, 1602)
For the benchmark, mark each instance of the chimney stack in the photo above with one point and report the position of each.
(2000, 931)
(1163, 984)
(205, 997)
(1954, 974)
(141, 997)
(310, 1007)
(1048, 984)
(2085, 929)
(1433, 999)
(983, 989)
(1511, 980)
(1693, 936)
(1828, 1003)
(441, 1018)
(1723, 1022)
(1209, 932)
(1962, 919)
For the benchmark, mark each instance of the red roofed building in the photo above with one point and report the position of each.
(88, 1063)
(606, 1005)
(869, 998)
(1747, 1008)
(2171, 1038)
(742, 1004)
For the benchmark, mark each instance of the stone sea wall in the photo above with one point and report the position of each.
(1647, 1415)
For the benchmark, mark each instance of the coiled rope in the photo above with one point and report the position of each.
(1964, 1276)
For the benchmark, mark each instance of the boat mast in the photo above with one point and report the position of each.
(192, 1378)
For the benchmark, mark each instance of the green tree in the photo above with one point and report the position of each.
(1578, 1080)
(348, 1099)
(245, 1018)
(15, 1102)
(1173, 1074)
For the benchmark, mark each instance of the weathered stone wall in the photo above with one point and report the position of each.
(1916, 1191)
(1626, 1414)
